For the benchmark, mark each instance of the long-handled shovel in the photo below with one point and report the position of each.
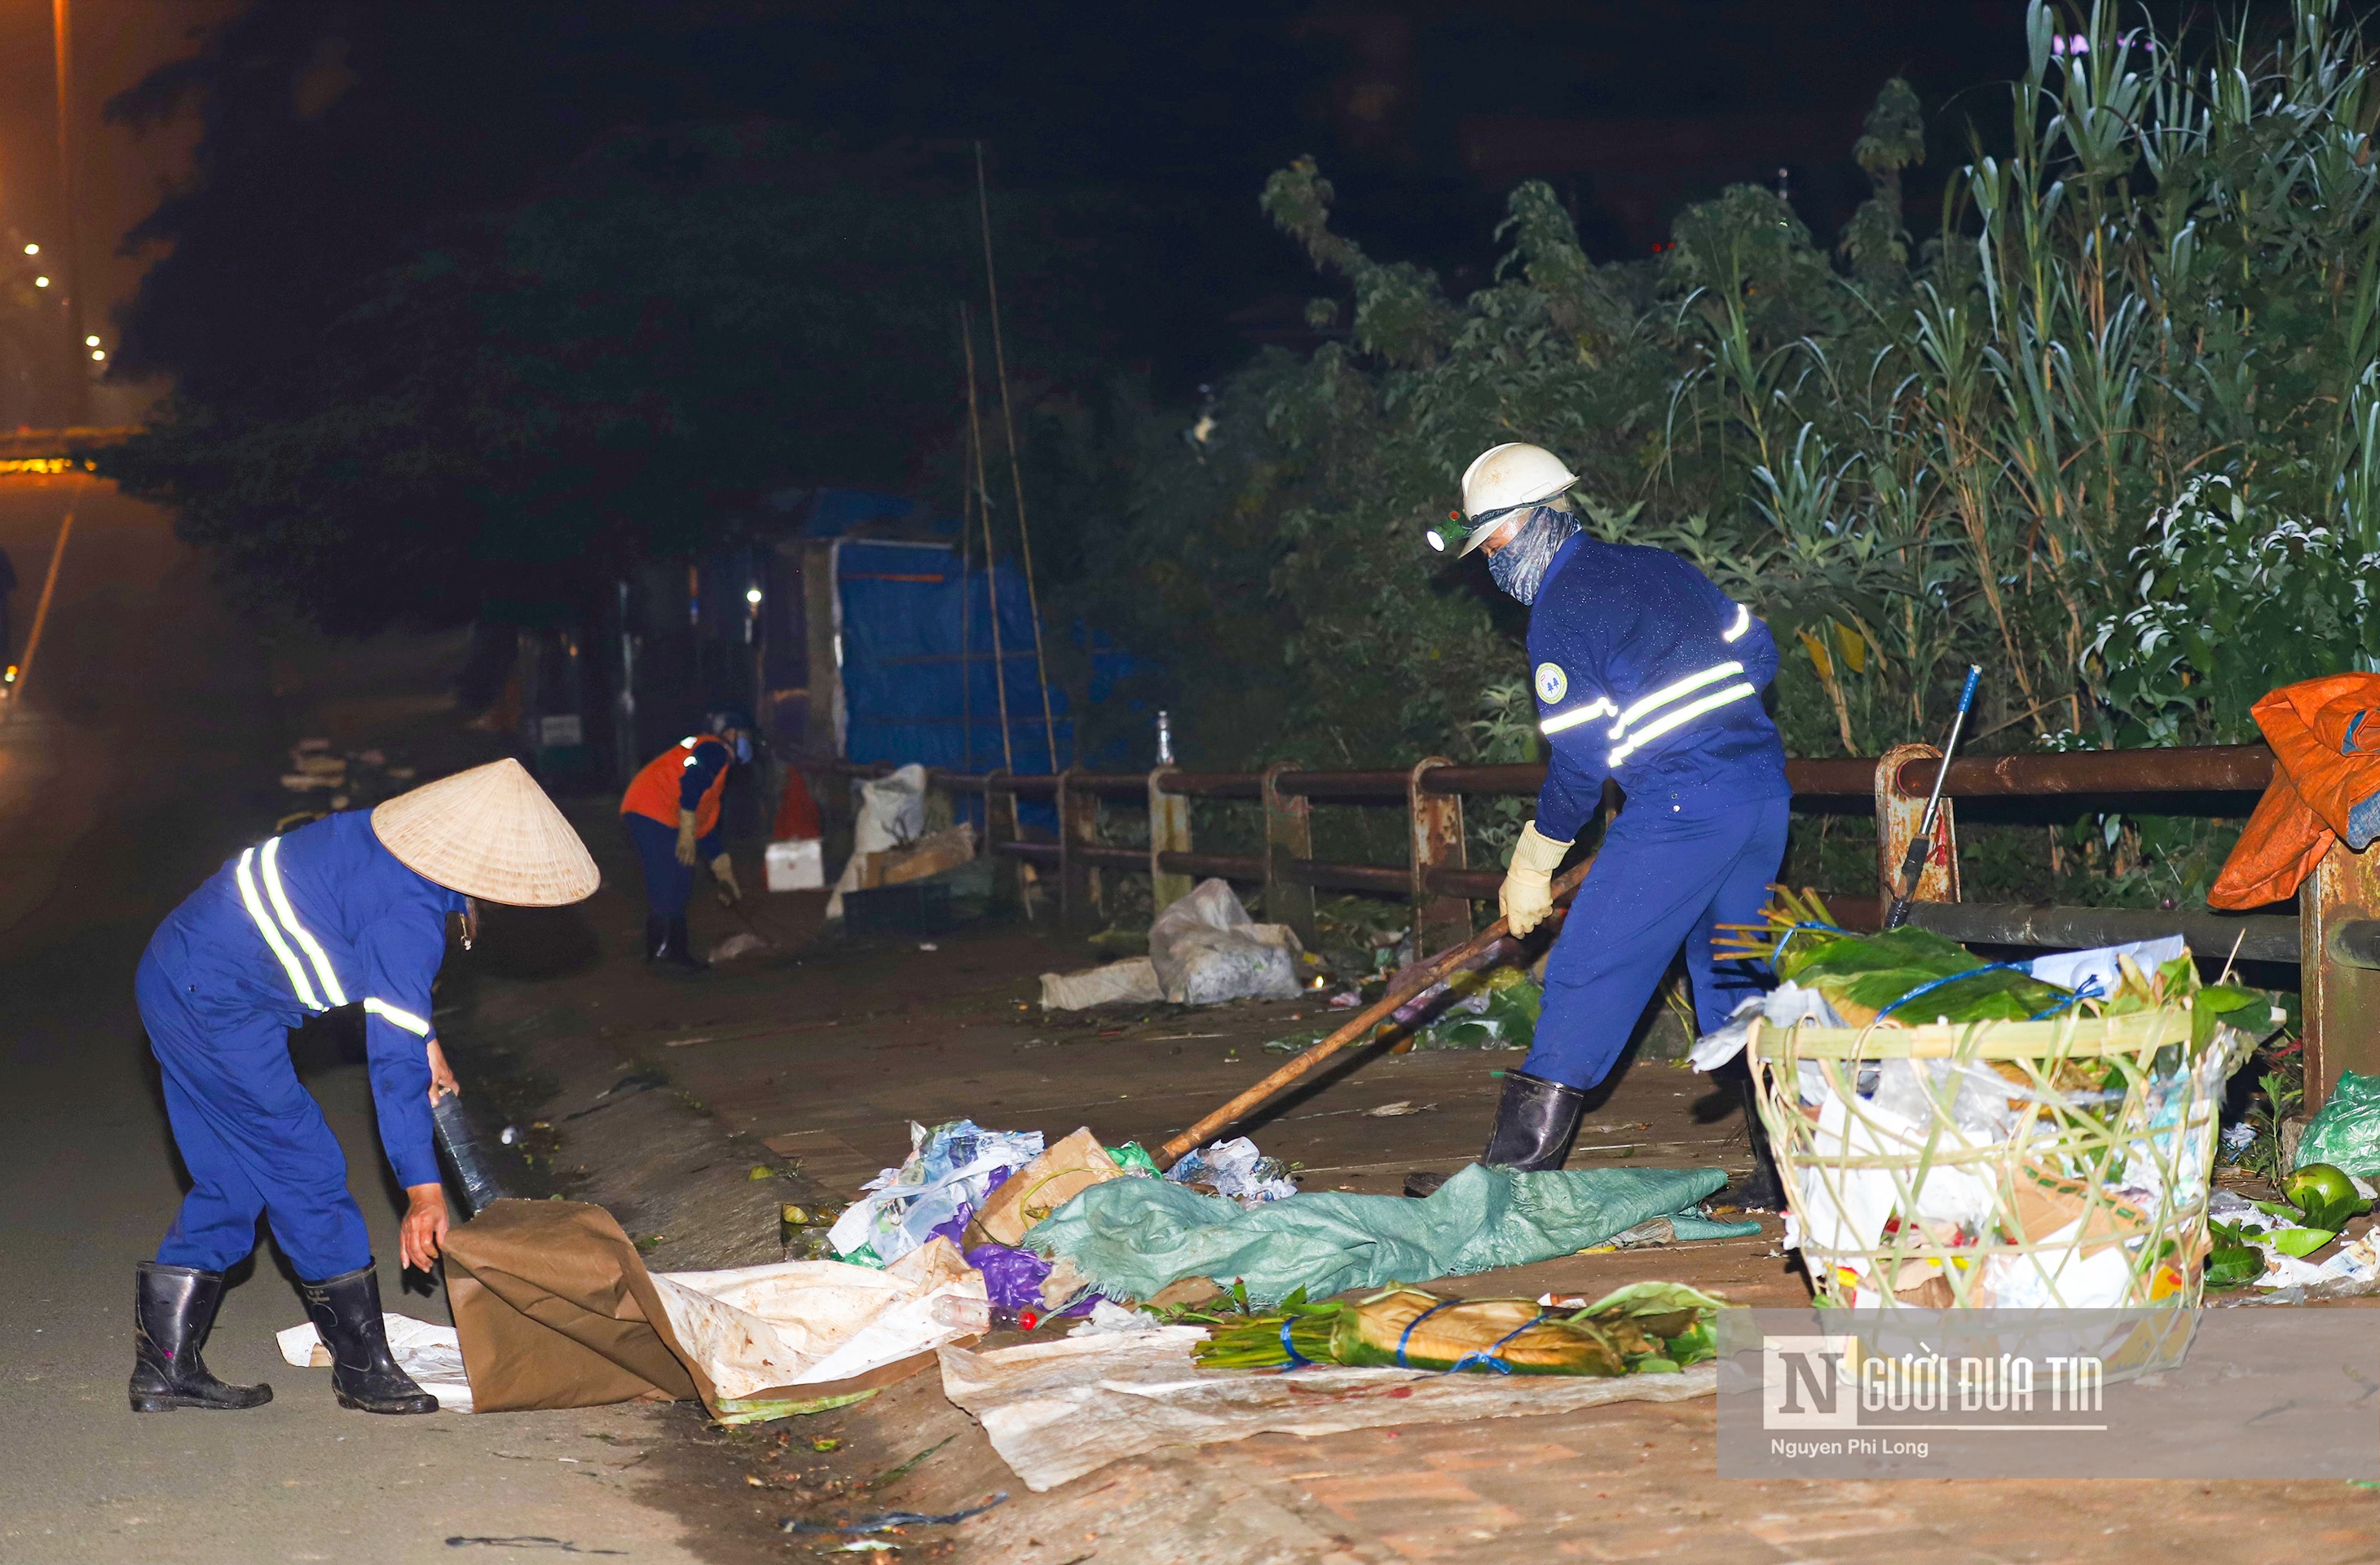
(1417, 979)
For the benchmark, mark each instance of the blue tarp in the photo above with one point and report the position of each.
(919, 677)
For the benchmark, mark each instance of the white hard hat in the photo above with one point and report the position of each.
(1505, 477)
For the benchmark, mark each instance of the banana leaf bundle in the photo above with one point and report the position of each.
(1646, 1327)
(1863, 977)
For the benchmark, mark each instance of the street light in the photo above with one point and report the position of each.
(32, 249)
(41, 282)
(91, 342)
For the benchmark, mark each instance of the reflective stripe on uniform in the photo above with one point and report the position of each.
(1668, 693)
(1742, 622)
(271, 863)
(263, 920)
(1671, 718)
(404, 1019)
(1576, 715)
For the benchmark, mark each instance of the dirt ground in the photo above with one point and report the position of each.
(660, 1096)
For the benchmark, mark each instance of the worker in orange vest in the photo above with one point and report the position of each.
(672, 815)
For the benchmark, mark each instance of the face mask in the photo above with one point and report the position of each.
(1520, 566)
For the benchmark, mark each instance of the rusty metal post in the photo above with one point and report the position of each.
(1439, 921)
(1898, 816)
(1289, 834)
(2342, 1000)
(1078, 827)
(1000, 826)
(1169, 832)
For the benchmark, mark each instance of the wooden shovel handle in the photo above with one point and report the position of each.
(1416, 979)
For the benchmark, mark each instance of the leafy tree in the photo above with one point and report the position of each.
(1993, 446)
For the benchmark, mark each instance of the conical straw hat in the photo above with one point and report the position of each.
(489, 832)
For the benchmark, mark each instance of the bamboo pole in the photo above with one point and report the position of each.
(991, 556)
(1355, 1031)
(966, 587)
(1015, 471)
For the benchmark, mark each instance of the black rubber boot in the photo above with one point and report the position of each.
(656, 938)
(1534, 1123)
(173, 1310)
(346, 1310)
(677, 948)
(1534, 1126)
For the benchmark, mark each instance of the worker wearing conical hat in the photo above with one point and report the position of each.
(351, 910)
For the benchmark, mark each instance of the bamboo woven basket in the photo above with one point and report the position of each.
(2090, 1191)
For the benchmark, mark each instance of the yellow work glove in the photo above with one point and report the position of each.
(686, 837)
(1527, 894)
(730, 893)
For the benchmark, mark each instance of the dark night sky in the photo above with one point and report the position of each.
(1424, 112)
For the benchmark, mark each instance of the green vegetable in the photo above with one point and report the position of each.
(2325, 1195)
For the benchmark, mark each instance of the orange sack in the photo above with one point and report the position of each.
(2326, 735)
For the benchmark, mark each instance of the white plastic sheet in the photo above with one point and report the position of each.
(798, 1323)
(428, 1352)
(1131, 981)
(1055, 1411)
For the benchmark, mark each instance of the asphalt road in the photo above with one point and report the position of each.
(144, 752)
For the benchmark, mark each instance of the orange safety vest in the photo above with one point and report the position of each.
(655, 791)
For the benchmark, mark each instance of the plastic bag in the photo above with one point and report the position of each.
(892, 812)
(2345, 1134)
(1235, 1168)
(1499, 1010)
(953, 1167)
(1206, 950)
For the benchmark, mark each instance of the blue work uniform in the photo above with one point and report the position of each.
(1646, 673)
(322, 918)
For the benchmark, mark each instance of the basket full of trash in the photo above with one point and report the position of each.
(1961, 1134)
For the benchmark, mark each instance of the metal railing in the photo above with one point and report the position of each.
(2335, 918)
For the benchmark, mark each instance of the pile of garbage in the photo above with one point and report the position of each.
(986, 1190)
(1203, 950)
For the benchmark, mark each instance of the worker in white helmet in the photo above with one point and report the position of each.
(1648, 675)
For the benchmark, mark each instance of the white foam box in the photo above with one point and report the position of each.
(796, 866)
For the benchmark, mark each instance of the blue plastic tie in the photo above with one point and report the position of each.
(1406, 1335)
(2090, 990)
(1296, 1359)
(1931, 985)
(1487, 1356)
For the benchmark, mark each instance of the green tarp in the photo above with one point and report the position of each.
(1133, 1236)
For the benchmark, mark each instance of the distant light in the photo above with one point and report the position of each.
(752, 596)
(91, 342)
(12, 673)
(41, 282)
(96, 354)
(32, 249)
